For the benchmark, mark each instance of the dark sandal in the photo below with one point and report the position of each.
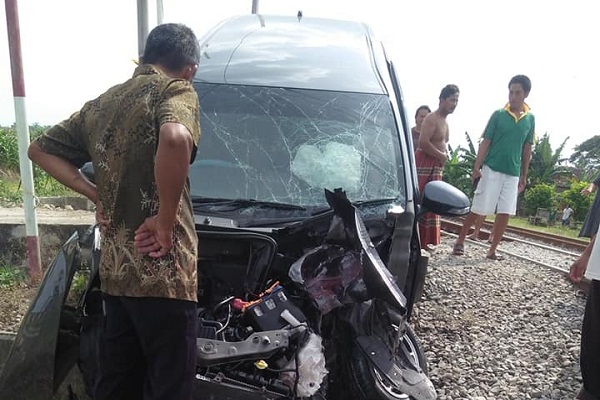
(495, 257)
(458, 249)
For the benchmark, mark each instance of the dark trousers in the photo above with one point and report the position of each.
(590, 346)
(147, 349)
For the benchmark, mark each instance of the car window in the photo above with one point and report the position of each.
(287, 145)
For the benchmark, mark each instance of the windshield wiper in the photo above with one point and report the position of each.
(360, 203)
(235, 204)
(375, 202)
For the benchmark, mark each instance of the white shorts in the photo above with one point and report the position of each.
(496, 193)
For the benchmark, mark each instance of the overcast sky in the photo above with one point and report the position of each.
(73, 50)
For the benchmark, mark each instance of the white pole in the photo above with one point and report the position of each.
(142, 19)
(254, 6)
(18, 82)
(159, 12)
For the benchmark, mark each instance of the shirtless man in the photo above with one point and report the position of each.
(431, 156)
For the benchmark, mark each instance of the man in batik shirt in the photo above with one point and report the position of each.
(141, 136)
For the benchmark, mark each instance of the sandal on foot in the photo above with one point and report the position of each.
(495, 257)
(430, 248)
(458, 249)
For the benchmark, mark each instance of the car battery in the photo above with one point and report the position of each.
(264, 314)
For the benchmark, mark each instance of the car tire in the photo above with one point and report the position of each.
(365, 381)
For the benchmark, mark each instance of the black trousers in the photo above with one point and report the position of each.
(147, 349)
(590, 346)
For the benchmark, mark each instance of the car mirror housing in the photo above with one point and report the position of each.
(88, 171)
(442, 198)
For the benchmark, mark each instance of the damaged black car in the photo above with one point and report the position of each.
(306, 205)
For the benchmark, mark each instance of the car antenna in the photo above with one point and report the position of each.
(299, 15)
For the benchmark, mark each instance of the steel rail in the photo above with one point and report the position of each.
(583, 285)
(568, 243)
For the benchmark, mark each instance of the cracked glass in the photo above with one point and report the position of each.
(287, 145)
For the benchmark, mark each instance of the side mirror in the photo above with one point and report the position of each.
(88, 171)
(442, 198)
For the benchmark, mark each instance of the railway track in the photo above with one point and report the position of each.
(514, 233)
(550, 251)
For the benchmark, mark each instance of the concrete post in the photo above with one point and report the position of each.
(18, 84)
(159, 12)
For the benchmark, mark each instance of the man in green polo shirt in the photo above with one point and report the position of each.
(501, 165)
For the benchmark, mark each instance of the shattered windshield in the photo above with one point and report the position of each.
(287, 145)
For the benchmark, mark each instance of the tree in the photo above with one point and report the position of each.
(589, 174)
(457, 171)
(539, 196)
(578, 202)
(544, 166)
(587, 154)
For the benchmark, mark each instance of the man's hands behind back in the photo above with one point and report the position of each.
(154, 238)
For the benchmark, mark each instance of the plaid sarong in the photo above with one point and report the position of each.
(428, 169)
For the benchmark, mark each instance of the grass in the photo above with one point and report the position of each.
(44, 185)
(10, 184)
(10, 190)
(11, 276)
(557, 229)
(78, 286)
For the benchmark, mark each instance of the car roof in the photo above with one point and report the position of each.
(292, 52)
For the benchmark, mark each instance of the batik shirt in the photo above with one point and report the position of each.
(119, 133)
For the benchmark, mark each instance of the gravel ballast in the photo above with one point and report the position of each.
(500, 329)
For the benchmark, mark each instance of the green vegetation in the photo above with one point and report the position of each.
(557, 229)
(551, 183)
(10, 183)
(578, 202)
(11, 276)
(78, 286)
(9, 149)
(457, 170)
(9, 190)
(545, 196)
(586, 157)
(80, 281)
(540, 196)
(544, 166)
